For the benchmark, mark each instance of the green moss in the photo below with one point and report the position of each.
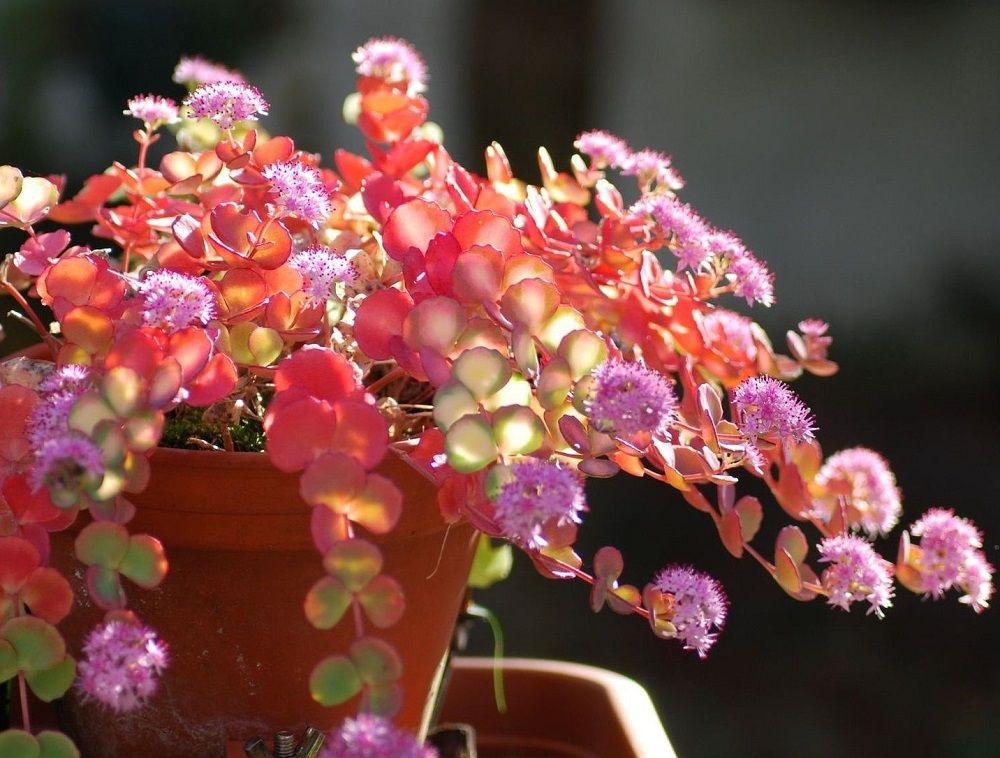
(184, 424)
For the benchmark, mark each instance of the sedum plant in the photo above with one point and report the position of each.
(507, 339)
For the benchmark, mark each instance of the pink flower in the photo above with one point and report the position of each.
(538, 493)
(299, 190)
(856, 572)
(195, 70)
(700, 604)
(603, 148)
(630, 400)
(60, 389)
(393, 60)
(173, 301)
(751, 279)
(122, 662)
(730, 333)
(767, 407)
(370, 736)
(152, 109)
(227, 102)
(687, 232)
(950, 556)
(651, 166)
(863, 477)
(320, 268)
(68, 464)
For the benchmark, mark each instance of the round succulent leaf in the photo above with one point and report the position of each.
(326, 602)
(624, 598)
(469, 444)
(378, 506)
(332, 480)
(583, 390)
(554, 383)
(608, 565)
(751, 515)
(574, 432)
(54, 681)
(524, 349)
(102, 543)
(477, 275)
(786, 572)
(144, 562)
(731, 533)
(136, 472)
(434, 323)
(517, 430)
(599, 468)
(517, 391)
(17, 743)
(11, 181)
(265, 345)
(122, 389)
(532, 302)
(56, 745)
(88, 411)
(492, 561)
(383, 601)
(48, 595)
(88, 328)
(18, 560)
(143, 430)
(564, 321)
(376, 660)
(792, 539)
(452, 401)
(360, 431)
(239, 342)
(583, 351)
(482, 370)
(522, 267)
(36, 642)
(355, 562)
(105, 588)
(379, 319)
(8, 661)
(334, 680)
(384, 700)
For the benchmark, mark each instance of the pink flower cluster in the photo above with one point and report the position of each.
(371, 736)
(122, 664)
(729, 331)
(700, 605)
(539, 493)
(862, 476)
(173, 301)
(650, 167)
(226, 102)
(767, 407)
(196, 70)
(950, 556)
(392, 60)
(320, 268)
(630, 399)
(856, 572)
(299, 190)
(152, 109)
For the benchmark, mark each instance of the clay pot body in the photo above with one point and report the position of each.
(237, 538)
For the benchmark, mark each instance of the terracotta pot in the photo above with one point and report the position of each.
(241, 561)
(554, 710)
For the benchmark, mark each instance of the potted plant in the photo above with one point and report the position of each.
(395, 348)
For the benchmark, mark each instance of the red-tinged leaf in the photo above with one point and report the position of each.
(731, 533)
(624, 599)
(381, 193)
(376, 660)
(273, 150)
(477, 275)
(137, 350)
(145, 562)
(299, 430)
(403, 156)
(187, 231)
(326, 602)
(792, 540)
(334, 680)
(360, 431)
(751, 514)
(434, 323)
(102, 543)
(318, 372)
(104, 585)
(352, 169)
(390, 116)
(178, 166)
(355, 562)
(697, 500)
(600, 468)
(442, 252)
(18, 560)
(242, 290)
(383, 601)
(792, 494)
(452, 498)
(530, 302)
(786, 572)
(273, 248)
(608, 564)
(332, 480)
(380, 318)
(84, 206)
(234, 229)
(191, 348)
(165, 383)
(91, 329)
(37, 252)
(378, 506)
(27, 505)
(484, 228)
(215, 382)
(413, 225)
(327, 528)
(574, 433)
(47, 594)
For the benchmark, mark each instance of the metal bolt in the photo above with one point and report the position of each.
(284, 744)
(255, 748)
(312, 742)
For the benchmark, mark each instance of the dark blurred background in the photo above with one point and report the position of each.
(853, 145)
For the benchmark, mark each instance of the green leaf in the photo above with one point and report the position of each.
(354, 562)
(491, 564)
(16, 743)
(8, 661)
(383, 699)
(50, 683)
(383, 601)
(377, 661)
(144, 562)
(105, 587)
(56, 745)
(335, 680)
(326, 602)
(470, 445)
(518, 430)
(482, 370)
(37, 643)
(102, 543)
